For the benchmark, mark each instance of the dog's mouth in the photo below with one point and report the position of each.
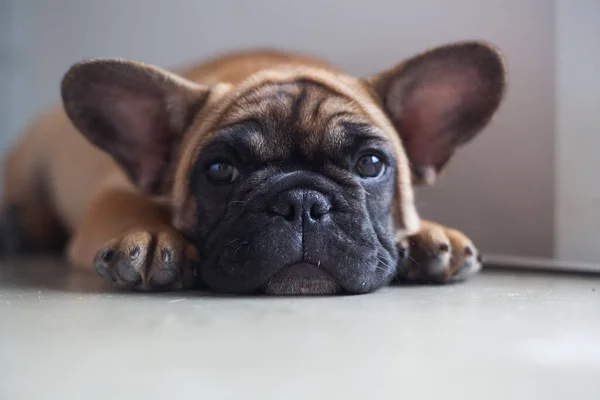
(302, 279)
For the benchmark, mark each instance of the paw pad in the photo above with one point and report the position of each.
(438, 255)
(149, 262)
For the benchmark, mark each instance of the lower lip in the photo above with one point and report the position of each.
(302, 279)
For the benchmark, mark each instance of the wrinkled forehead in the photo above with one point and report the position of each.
(309, 105)
(276, 119)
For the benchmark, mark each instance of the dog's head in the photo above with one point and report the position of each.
(297, 180)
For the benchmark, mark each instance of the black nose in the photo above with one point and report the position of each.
(299, 205)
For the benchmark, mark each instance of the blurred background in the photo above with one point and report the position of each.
(527, 186)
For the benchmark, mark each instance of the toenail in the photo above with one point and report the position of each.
(444, 247)
(468, 251)
(134, 252)
(107, 255)
(166, 256)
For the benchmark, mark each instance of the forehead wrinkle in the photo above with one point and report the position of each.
(247, 139)
(334, 113)
(267, 147)
(270, 91)
(320, 117)
(257, 142)
(265, 104)
(303, 113)
(317, 102)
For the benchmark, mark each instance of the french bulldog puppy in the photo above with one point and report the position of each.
(257, 172)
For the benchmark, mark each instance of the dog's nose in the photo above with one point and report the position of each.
(299, 205)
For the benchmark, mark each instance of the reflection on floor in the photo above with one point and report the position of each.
(503, 335)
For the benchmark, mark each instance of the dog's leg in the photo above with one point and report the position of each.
(28, 222)
(437, 254)
(129, 239)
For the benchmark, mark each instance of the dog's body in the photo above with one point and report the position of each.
(280, 138)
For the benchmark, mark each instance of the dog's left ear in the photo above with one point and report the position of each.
(439, 100)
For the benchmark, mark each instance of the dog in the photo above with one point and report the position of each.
(255, 172)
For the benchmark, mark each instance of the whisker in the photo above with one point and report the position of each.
(413, 260)
(383, 261)
(236, 202)
(233, 241)
(237, 248)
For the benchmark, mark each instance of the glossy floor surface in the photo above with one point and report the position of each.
(503, 335)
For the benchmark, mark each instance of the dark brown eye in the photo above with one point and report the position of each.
(370, 166)
(222, 172)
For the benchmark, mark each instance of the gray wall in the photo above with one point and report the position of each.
(8, 68)
(499, 190)
(578, 130)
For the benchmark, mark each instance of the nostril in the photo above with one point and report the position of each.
(318, 210)
(283, 210)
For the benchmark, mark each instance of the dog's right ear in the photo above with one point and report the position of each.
(135, 112)
(441, 99)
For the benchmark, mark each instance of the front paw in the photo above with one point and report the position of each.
(437, 254)
(148, 261)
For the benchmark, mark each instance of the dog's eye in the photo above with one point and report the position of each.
(222, 172)
(370, 166)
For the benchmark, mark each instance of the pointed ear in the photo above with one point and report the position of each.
(135, 112)
(441, 99)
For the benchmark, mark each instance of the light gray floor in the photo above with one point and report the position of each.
(509, 335)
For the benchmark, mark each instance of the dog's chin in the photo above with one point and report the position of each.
(302, 279)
